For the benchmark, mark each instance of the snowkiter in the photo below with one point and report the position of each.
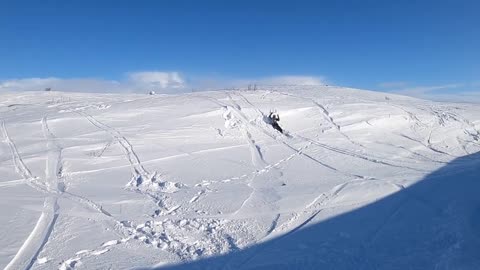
(274, 118)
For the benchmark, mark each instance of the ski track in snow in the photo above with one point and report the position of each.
(237, 109)
(20, 166)
(245, 120)
(441, 116)
(28, 252)
(140, 175)
(162, 158)
(326, 115)
(257, 157)
(173, 243)
(291, 226)
(355, 155)
(197, 196)
(427, 145)
(138, 170)
(76, 260)
(12, 183)
(53, 187)
(414, 153)
(254, 149)
(287, 226)
(264, 170)
(310, 210)
(107, 145)
(273, 226)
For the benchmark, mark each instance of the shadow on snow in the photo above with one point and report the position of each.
(433, 224)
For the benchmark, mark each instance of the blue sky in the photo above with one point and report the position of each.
(398, 45)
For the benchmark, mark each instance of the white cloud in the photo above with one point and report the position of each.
(157, 79)
(397, 84)
(134, 82)
(68, 85)
(462, 96)
(422, 90)
(26, 84)
(454, 92)
(217, 82)
(292, 80)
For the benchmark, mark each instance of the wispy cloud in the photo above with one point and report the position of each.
(176, 82)
(159, 81)
(390, 85)
(422, 90)
(133, 82)
(464, 96)
(453, 92)
(292, 80)
(68, 85)
(215, 81)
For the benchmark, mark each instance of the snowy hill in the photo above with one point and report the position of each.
(361, 180)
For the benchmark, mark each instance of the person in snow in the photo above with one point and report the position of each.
(274, 117)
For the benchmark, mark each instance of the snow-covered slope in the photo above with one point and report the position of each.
(361, 180)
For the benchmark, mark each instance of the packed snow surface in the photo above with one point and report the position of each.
(359, 180)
